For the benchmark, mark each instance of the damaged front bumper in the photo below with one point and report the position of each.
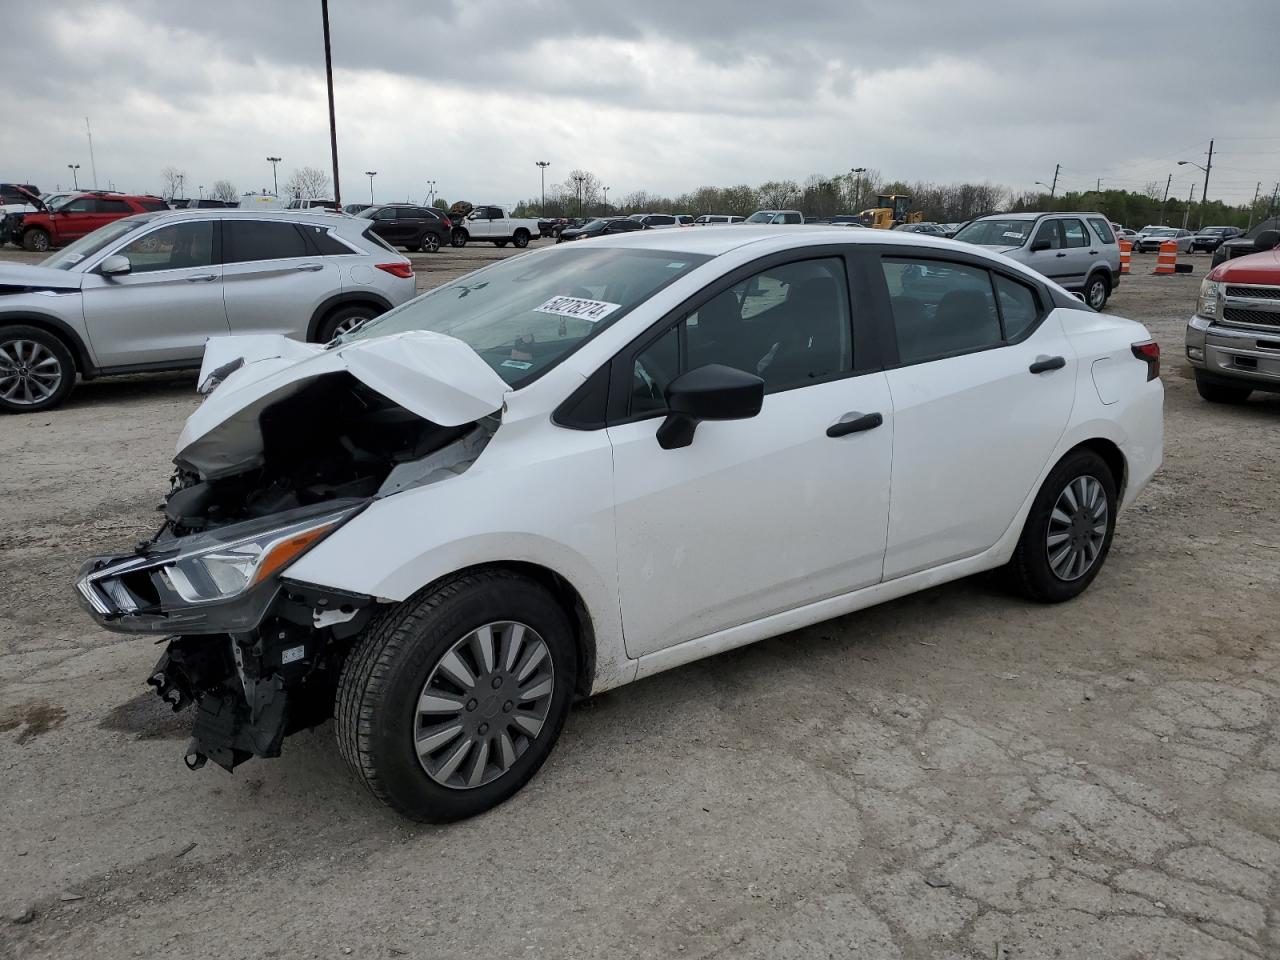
(256, 654)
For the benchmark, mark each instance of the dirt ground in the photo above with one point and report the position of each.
(958, 774)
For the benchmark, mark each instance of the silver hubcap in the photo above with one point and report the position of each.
(347, 325)
(29, 372)
(433, 243)
(1077, 528)
(484, 704)
(1097, 294)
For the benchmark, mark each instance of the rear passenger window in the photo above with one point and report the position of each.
(323, 242)
(791, 218)
(247, 240)
(1073, 234)
(153, 205)
(113, 206)
(1102, 229)
(1019, 306)
(374, 238)
(940, 308)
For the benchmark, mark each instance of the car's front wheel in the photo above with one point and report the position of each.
(36, 240)
(1068, 532)
(450, 703)
(37, 370)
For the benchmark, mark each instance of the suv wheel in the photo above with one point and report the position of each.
(344, 320)
(430, 243)
(37, 370)
(1217, 393)
(450, 702)
(1068, 531)
(36, 240)
(1096, 291)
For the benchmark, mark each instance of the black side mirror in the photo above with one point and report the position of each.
(1038, 245)
(1267, 240)
(712, 392)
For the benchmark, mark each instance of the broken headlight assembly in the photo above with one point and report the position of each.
(215, 582)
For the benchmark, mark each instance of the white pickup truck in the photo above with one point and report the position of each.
(494, 225)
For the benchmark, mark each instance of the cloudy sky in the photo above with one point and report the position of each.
(663, 95)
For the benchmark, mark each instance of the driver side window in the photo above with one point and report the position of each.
(788, 325)
(1048, 231)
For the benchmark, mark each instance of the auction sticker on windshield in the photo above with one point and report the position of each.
(593, 311)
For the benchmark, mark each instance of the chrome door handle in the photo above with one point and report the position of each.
(203, 278)
(310, 267)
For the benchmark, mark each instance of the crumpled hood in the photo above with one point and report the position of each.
(438, 377)
(39, 278)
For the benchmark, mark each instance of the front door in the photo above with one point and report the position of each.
(166, 306)
(973, 425)
(76, 218)
(757, 516)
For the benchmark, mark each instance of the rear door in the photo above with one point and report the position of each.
(973, 425)
(1080, 251)
(272, 282)
(169, 303)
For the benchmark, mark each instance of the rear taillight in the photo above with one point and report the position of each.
(1149, 352)
(448, 224)
(402, 270)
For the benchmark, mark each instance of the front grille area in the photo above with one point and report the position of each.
(1260, 318)
(1257, 293)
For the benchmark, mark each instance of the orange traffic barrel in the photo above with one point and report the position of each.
(1126, 250)
(1167, 261)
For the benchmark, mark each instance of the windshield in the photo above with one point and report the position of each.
(526, 314)
(760, 216)
(88, 245)
(1212, 231)
(1161, 232)
(596, 225)
(997, 233)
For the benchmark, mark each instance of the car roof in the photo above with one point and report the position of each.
(715, 240)
(313, 217)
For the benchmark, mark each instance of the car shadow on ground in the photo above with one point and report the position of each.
(141, 386)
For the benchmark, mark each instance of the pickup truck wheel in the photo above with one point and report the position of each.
(37, 370)
(450, 702)
(1096, 291)
(1217, 393)
(458, 238)
(499, 243)
(36, 240)
(521, 239)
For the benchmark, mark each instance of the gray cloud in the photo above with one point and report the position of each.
(663, 95)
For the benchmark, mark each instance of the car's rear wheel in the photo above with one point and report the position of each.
(344, 320)
(521, 239)
(430, 243)
(458, 238)
(1096, 291)
(37, 370)
(1220, 393)
(452, 701)
(36, 240)
(1068, 532)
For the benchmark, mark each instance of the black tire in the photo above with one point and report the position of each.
(429, 242)
(414, 247)
(15, 344)
(458, 238)
(36, 240)
(343, 317)
(1029, 569)
(1097, 290)
(499, 243)
(1218, 393)
(383, 677)
(521, 239)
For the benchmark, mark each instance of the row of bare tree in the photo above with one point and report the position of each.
(306, 181)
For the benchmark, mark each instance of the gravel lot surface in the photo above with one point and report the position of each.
(955, 774)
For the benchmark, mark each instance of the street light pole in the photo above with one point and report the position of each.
(579, 180)
(73, 167)
(857, 190)
(431, 193)
(201, 188)
(275, 184)
(542, 165)
(333, 123)
(1204, 196)
(371, 174)
(606, 198)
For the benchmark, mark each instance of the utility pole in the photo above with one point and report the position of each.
(1253, 205)
(1165, 202)
(1053, 188)
(1097, 188)
(1186, 214)
(275, 184)
(543, 164)
(371, 174)
(333, 124)
(1204, 194)
(92, 165)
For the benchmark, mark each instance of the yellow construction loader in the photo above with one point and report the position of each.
(891, 209)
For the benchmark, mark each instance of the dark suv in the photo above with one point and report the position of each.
(410, 226)
(76, 218)
(1243, 246)
(1211, 238)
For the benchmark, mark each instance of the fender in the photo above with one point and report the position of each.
(60, 328)
(370, 297)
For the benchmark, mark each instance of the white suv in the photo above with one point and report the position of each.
(145, 292)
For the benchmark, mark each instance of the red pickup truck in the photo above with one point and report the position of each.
(76, 217)
(1233, 341)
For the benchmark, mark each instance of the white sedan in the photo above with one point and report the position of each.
(592, 463)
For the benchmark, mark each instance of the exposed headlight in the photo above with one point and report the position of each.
(216, 572)
(1210, 301)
